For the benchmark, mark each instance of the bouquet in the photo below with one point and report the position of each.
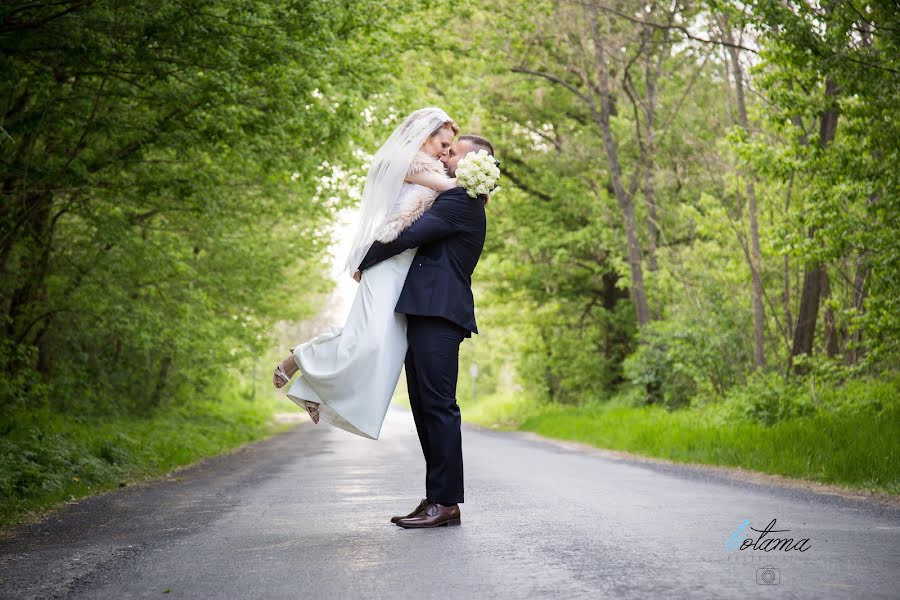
(478, 173)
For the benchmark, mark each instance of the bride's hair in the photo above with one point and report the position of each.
(451, 124)
(422, 112)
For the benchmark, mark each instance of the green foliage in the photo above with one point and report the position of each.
(767, 399)
(162, 196)
(695, 355)
(557, 268)
(830, 131)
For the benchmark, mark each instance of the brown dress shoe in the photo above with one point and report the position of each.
(434, 515)
(419, 509)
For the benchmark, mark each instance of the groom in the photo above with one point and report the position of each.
(440, 313)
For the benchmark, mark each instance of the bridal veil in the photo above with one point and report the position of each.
(386, 173)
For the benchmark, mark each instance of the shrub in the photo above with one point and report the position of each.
(768, 398)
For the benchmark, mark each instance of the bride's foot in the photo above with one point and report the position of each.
(313, 409)
(284, 371)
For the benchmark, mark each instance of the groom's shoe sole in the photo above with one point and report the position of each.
(451, 522)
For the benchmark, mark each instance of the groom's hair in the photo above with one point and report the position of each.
(478, 142)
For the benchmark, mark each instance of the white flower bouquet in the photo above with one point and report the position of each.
(478, 173)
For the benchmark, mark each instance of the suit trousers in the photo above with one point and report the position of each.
(432, 366)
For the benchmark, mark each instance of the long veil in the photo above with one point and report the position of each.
(386, 173)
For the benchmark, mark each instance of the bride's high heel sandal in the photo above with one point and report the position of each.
(282, 374)
(313, 409)
(279, 372)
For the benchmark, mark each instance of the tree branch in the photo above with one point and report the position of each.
(560, 81)
(661, 26)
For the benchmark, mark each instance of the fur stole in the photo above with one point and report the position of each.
(414, 202)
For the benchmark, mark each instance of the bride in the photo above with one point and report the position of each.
(348, 374)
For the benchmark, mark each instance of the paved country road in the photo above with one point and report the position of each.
(305, 514)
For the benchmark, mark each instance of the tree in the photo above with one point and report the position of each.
(158, 174)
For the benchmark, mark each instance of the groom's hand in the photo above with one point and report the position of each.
(357, 276)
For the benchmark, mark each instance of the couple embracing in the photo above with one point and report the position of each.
(421, 232)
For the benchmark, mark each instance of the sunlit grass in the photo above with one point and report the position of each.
(859, 451)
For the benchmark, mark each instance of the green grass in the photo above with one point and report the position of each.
(49, 458)
(859, 451)
(853, 445)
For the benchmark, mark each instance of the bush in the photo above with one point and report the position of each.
(676, 361)
(860, 396)
(768, 398)
(664, 379)
(21, 385)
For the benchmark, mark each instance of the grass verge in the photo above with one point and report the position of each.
(845, 445)
(49, 458)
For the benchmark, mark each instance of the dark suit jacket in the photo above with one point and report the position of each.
(450, 237)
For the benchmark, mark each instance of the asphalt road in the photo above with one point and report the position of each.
(306, 514)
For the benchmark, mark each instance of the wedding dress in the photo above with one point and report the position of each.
(352, 371)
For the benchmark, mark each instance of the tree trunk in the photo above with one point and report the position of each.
(164, 366)
(36, 241)
(786, 292)
(622, 196)
(812, 287)
(832, 345)
(651, 75)
(807, 313)
(851, 348)
(759, 311)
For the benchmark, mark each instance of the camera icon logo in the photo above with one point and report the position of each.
(768, 576)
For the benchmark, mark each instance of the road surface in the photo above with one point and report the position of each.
(305, 514)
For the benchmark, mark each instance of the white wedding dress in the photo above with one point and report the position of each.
(352, 371)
